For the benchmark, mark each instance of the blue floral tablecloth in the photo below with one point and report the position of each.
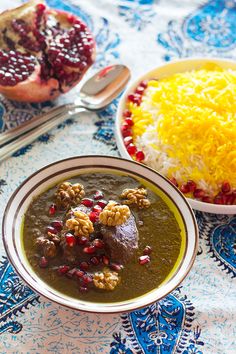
(199, 316)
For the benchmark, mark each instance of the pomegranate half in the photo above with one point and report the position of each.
(43, 52)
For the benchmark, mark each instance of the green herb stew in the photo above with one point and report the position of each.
(103, 237)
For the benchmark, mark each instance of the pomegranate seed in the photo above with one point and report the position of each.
(125, 132)
(90, 249)
(93, 216)
(144, 84)
(218, 200)
(52, 209)
(144, 259)
(191, 186)
(84, 265)
(70, 239)
(147, 250)
(52, 230)
(82, 240)
(140, 90)
(131, 149)
(135, 98)
(98, 195)
(225, 187)
(139, 156)
(94, 260)
(198, 193)
(129, 121)
(127, 113)
(97, 209)
(128, 140)
(98, 243)
(83, 289)
(79, 273)
(230, 199)
(102, 203)
(71, 273)
(174, 181)
(87, 279)
(116, 267)
(87, 202)
(57, 224)
(206, 199)
(105, 260)
(43, 262)
(184, 188)
(40, 7)
(63, 269)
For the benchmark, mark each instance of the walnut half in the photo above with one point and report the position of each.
(69, 194)
(136, 196)
(106, 280)
(114, 214)
(80, 224)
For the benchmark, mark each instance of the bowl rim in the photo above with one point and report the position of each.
(116, 307)
(195, 204)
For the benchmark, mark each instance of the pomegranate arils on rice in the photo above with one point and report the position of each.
(144, 259)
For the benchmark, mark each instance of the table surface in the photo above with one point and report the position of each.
(199, 316)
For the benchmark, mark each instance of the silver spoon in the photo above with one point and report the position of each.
(95, 94)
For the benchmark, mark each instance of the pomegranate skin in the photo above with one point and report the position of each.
(26, 29)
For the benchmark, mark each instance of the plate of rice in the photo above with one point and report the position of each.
(180, 120)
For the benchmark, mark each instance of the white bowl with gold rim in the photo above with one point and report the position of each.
(52, 174)
(161, 72)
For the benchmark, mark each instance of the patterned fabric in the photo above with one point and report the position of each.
(199, 316)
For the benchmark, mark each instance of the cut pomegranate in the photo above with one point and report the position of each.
(44, 52)
(144, 259)
(57, 224)
(98, 195)
(87, 202)
(70, 239)
(52, 209)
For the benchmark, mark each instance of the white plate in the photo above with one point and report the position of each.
(159, 73)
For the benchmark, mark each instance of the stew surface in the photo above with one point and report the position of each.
(69, 262)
